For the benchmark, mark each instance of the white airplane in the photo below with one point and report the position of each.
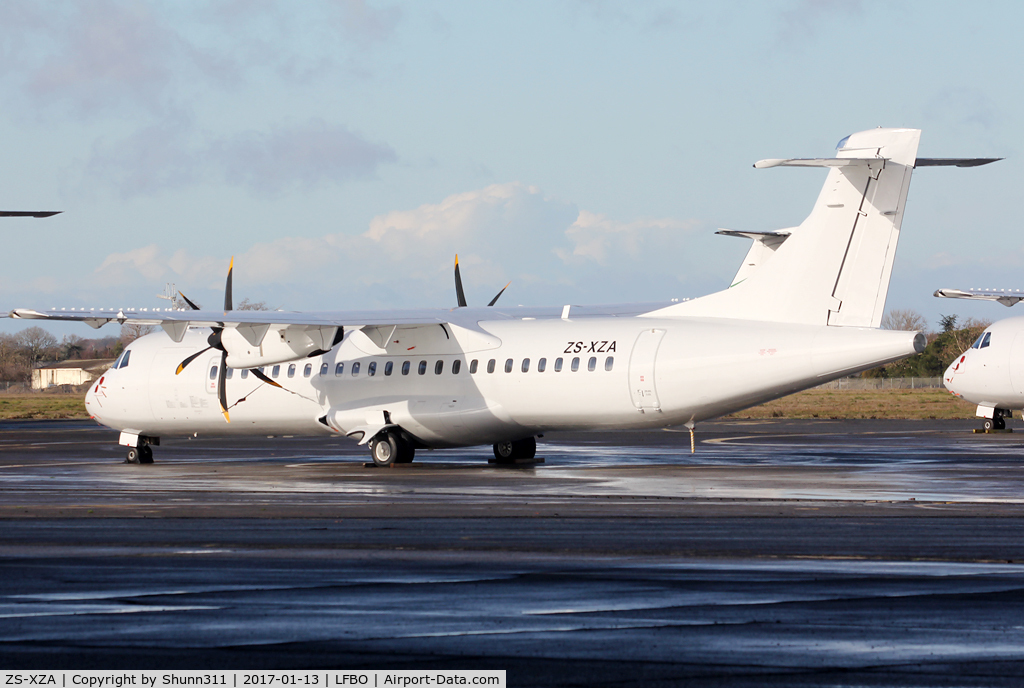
(805, 312)
(991, 372)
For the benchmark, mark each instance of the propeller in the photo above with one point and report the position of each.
(461, 295)
(214, 341)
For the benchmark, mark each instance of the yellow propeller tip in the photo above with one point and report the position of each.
(178, 371)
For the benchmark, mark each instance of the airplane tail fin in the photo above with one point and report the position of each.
(834, 269)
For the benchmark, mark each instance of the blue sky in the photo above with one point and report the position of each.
(343, 151)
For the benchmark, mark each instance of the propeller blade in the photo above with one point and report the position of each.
(222, 385)
(181, 366)
(495, 299)
(262, 376)
(189, 302)
(227, 287)
(459, 294)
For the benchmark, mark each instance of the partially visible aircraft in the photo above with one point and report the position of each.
(29, 213)
(805, 312)
(991, 372)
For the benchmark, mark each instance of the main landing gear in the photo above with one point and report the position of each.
(510, 451)
(390, 447)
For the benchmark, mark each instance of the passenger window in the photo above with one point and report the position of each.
(323, 369)
(558, 365)
(438, 367)
(262, 369)
(124, 360)
(275, 371)
(508, 365)
(355, 368)
(231, 372)
(422, 369)
(213, 372)
(609, 362)
(339, 369)
(984, 342)
(490, 366)
(542, 364)
(473, 366)
(291, 370)
(245, 373)
(456, 366)
(575, 364)
(592, 364)
(388, 367)
(405, 368)
(526, 365)
(308, 370)
(371, 369)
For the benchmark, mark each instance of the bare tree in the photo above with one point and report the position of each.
(247, 305)
(905, 320)
(37, 342)
(131, 331)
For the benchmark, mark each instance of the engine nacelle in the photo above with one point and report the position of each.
(252, 346)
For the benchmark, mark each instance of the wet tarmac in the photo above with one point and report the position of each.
(798, 553)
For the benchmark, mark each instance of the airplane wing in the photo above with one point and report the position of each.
(1007, 297)
(419, 316)
(29, 213)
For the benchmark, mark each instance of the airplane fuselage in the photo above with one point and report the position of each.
(450, 386)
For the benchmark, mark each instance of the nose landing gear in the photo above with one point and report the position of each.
(141, 454)
(998, 420)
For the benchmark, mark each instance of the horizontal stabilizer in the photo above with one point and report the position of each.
(29, 213)
(756, 236)
(762, 248)
(870, 163)
(954, 162)
(1007, 297)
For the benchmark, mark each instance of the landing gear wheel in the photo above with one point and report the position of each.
(384, 449)
(988, 424)
(391, 447)
(512, 450)
(1000, 423)
(406, 452)
(133, 455)
(145, 454)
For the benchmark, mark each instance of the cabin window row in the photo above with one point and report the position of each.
(422, 367)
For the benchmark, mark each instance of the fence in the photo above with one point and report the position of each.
(883, 383)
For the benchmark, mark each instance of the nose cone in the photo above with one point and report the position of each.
(92, 399)
(955, 373)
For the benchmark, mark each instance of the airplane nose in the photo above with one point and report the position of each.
(954, 371)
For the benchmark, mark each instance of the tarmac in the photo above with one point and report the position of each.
(781, 553)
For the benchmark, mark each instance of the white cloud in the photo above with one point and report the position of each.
(598, 238)
(549, 249)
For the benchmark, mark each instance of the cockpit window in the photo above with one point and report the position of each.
(124, 359)
(984, 342)
(977, 342)
(117, 362)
